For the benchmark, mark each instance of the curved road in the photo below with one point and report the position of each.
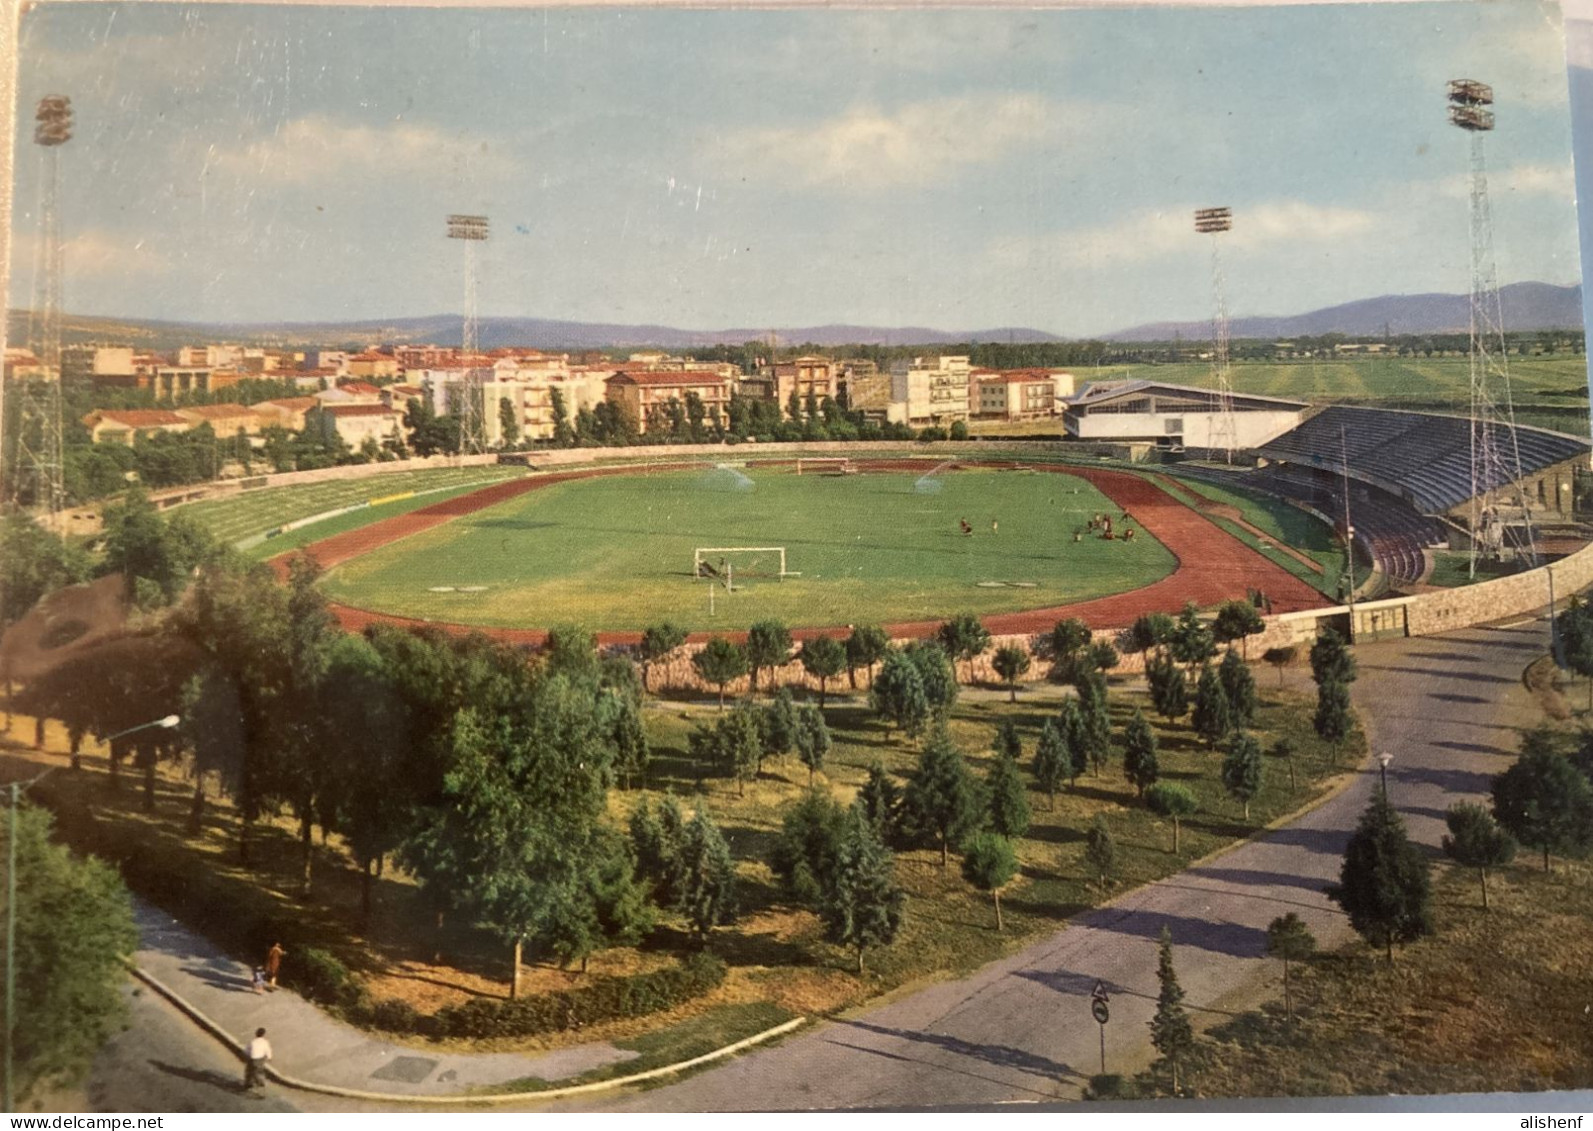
(1447, 708)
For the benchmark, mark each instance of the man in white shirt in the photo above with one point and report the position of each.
(259, 1052)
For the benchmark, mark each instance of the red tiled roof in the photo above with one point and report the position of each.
(359, 410)
(218, 411)
(360, 387)
(136, 417)
(1011, 376)
(292, 404)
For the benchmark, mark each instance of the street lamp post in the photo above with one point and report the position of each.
(7, 1095)
(1383, 760)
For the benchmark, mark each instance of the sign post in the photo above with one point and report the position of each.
(1102, 1014)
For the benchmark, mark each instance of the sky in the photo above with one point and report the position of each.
(955, 169)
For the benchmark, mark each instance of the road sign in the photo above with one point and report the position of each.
(1099, 1009)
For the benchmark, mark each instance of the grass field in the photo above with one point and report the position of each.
(616, 553)
(254, 512)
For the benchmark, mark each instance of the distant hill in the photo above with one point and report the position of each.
(535, 333)
(1527, 306)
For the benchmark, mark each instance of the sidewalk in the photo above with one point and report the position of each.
(312, 1046)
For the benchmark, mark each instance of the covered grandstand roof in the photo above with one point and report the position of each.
(1101, 392)
(1423, 457)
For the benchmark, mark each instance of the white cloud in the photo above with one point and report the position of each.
(93, 255)
(867, 147)
(1555, 181)
(317, 150)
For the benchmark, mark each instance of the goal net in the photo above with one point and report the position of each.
(825, 465)
(731, 565)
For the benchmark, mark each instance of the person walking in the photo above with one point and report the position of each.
(273, 963)
(257, 980)
(259, 1052)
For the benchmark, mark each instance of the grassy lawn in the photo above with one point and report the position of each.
(616, 553)
(1453, 567)
(1494, 1001)
(254, 512)
(780, 966)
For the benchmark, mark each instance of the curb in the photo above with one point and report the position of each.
(205, 1022)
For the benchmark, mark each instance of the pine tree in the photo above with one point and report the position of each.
(1100, 851)
(1008, 743)
(823, 658)
(1169, 799)
(1545, 802)
(1284, 749)
(1383, 885)
(1139, 752)
(941, 795)
(1011, 663)
(812, 739)
(1289, 939)
(880, 801)
(720, 663)
(989, 864)
(1172, 1035)
(897, 693)
(1168, 688)
(1239, 685)
(965, 638)
(778, 726)
(1192, 641)
(1097, 730)
(863, 906)
(1075, 733)
(1211, 719)
(1475, 840)
(1051, 761)
(706, 893)
(768, 646)
(1241, 769)
(1332, 719)
(1331, 661)
(1007, 804)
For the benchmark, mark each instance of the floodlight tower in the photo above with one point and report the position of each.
(472, 437)
(37, 456)
(1224, 432)
(1495, 446)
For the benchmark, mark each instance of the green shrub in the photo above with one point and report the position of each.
(390, 1015)
(318, 976)
(1111, 1086)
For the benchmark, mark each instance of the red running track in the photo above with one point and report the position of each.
(1212, 565)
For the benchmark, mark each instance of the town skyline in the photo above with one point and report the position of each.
(953, 170)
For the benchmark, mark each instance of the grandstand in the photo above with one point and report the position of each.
(1409, 476)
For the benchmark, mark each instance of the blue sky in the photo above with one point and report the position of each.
(703, 169)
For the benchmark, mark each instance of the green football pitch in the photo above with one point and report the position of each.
(616, 553)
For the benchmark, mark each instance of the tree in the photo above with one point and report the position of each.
(734, 742)
(1102, 656)
(1289, 939)
(880, 801)
(1065, 645)
(863, 904)
(1168, 689)
(508, 421)
(1172, 1035)
(988, 863)
(563, 434)
(1211, 719)
(1139, 752)
(768, 646)
(778, 722)
(1006, 801)
(74, 925)
(720, 662)
(1192, 641)
(1011, 663)
(1576, 641)
(1331, 660)
(1241, 769)
(706, 894)
(812, 739)
(658, 641)
(897, 693)
(1100, 851)
(1332, 719)
(941, 795)
(36, 561)
(823, 658)
(1475, 840)
(1284, 749)
(1239, 687)
(1237, 620)
(1384, 885)
(657, 841)
(805, 852)
(1051, 761)
(865, 647)
(1544, 802)
(964, 638)
(936, 674)
(1077, 738)
(1169, 799)
(1097, 718)
(1280, 658)
(1151, 630)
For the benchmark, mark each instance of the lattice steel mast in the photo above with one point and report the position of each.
(1495, 445)
(472, 432)
(1224, 431)
(36, 467)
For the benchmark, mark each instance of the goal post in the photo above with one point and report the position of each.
(724, 564)
(824, 465)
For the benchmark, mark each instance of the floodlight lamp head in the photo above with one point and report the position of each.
(1473, 118)
(54, 118)
(467, 227)
(1213, 220)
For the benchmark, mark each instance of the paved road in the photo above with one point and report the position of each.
(1447, 709)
